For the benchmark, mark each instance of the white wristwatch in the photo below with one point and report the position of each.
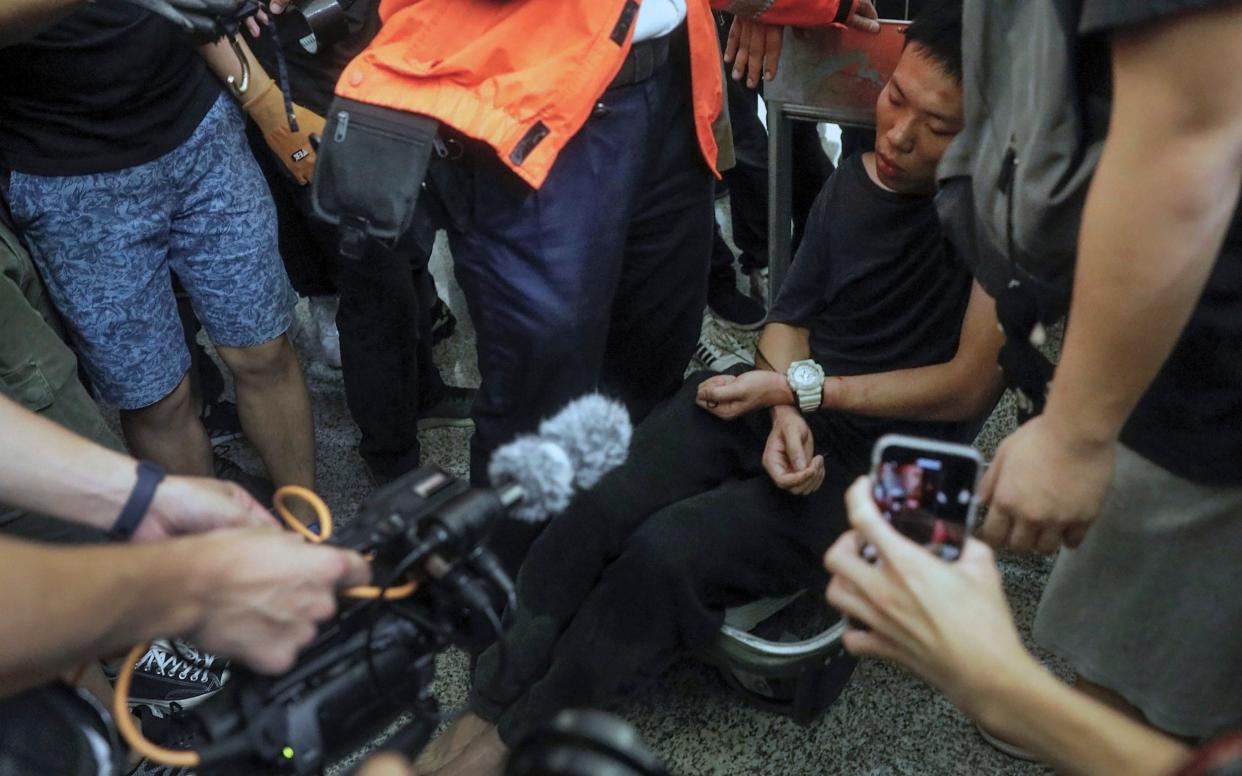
(806, 379)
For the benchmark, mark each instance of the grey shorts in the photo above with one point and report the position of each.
(1149, 605)
(105, 244)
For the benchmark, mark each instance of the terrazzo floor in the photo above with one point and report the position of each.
(885, 722)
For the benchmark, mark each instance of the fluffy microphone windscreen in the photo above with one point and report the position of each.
(542, 469)
(595, 432)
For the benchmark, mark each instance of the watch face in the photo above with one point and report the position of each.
(805, 375)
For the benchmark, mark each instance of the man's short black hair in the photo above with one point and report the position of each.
(938, 29)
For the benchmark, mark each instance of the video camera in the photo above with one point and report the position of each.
(435, 583)
(375, 661)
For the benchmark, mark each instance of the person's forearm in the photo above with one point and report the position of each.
(780, 345)
(942, 392)
(1153, 222)
(962, 388)
(59, 473)
(222, 60)
(1071, 731)
(63, 606)
(23, 19)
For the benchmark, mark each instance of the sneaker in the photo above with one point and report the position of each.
(735, 308)
(453, 410)
(327, 336)
(718, 350)
(443, 322)
(174, 673)
(261, 488)
(221, 421)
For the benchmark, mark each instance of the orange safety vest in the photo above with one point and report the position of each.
(524, 75)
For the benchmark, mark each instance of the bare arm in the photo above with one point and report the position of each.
(780, 345)
(960, 389)
(23, 19)
(63, 475)
(729, 396)
(63, 606)
(223, 61)
(1144, 260)
(253, 594)
(950, 624)
(1071, 731)
(1151, 230)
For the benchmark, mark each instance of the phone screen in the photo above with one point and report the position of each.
(928, 496)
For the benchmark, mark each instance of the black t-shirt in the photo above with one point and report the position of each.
(1190, 420)
(879, 289)
(313, 77)
(108, 87)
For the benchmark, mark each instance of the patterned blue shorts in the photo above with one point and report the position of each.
(105, 243)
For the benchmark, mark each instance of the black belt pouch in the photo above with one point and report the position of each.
(370, 171)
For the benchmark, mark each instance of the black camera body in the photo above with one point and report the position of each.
(374, 661)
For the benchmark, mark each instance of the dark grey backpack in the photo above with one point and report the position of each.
(1013, 182)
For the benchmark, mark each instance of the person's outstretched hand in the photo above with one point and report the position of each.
(947, 622)
(264, 592)
(190, 505)
(196, 17)
(1044, 488)
(732, 396)
(754, 50)
(789, 457)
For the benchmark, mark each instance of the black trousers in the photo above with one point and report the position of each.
(384, 321)
(640, 569)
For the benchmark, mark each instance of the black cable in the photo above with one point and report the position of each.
(282, 74)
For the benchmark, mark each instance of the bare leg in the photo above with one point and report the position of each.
(170, 433)
(275, 409)
(452, 742)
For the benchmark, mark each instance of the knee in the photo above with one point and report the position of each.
(649, 558)
(176, 404)
(269, 362)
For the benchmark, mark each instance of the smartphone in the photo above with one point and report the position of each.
(927, 490)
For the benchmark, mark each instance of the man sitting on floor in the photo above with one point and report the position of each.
(720, 503)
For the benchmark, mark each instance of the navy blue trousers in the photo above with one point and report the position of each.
(598, 279)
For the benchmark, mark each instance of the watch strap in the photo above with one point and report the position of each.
(809, 399)
(150, 475)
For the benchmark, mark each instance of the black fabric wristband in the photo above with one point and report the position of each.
(150, 475)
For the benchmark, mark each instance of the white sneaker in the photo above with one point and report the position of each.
(718, 349)
(327, 337)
